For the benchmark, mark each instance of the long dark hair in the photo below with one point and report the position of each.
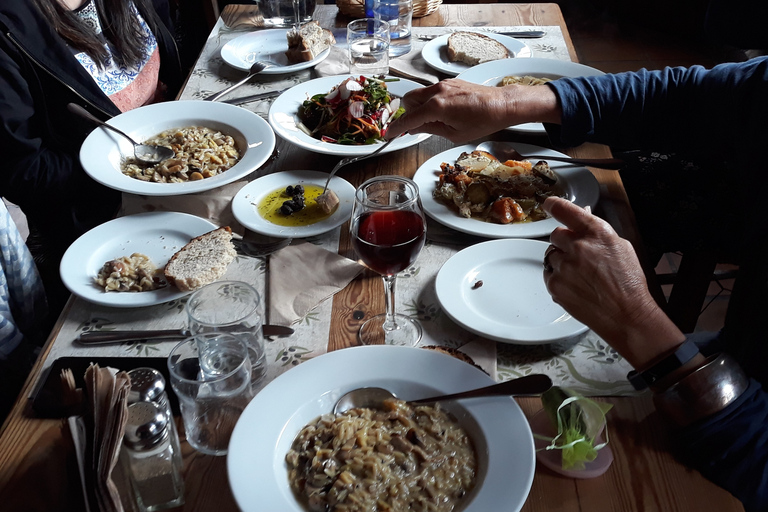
(119, 25)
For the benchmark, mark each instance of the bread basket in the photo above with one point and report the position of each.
(356, 8)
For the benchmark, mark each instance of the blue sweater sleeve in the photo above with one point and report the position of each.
(685, 109)
(731, 448)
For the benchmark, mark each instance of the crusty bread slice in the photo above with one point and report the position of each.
(202, 261)
(308, 42)
(473, 48)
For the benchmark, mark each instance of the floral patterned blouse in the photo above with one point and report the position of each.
(131, 87)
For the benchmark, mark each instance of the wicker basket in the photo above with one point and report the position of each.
(356, 8)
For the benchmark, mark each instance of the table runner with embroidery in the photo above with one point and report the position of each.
(587, 363)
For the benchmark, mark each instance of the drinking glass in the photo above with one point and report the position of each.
(368, 42)
(282, 13)
(388, 232)
(398, 14)
(232, 307)
(211, 376)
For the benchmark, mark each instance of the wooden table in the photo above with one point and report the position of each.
(36, 465)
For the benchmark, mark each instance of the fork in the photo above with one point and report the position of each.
(256, 68)
(352, 159)
(505, 152)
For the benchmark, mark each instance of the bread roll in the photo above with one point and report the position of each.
(473, 48)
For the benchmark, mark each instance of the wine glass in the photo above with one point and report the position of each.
(388, 231)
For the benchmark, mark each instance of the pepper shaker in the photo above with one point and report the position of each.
(151, 458)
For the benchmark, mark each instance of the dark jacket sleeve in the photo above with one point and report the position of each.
(696, 109)
(731, 448)
(720, 112)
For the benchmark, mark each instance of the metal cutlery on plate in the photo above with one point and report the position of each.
(521, 34)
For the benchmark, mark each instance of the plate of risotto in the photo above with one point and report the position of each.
(471, 456)
(214, 144)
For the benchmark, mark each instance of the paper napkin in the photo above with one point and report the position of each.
(98, 436)
(214, 205)
(301, 277)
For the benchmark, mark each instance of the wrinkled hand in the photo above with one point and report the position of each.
(462, 111)
(595, 276)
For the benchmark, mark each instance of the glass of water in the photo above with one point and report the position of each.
(231, 307)
(398, 14)
(211, 376)
(368, 41)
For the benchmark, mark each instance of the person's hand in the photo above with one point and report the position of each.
(462, 111)
(595, 275)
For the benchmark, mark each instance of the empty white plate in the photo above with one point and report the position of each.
(496, 289)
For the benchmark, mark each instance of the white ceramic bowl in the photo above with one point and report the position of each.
(256, 464)
(103, 150)
(491, 73)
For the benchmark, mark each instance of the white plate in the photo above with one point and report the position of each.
(244, 203)
(282, 117)
(580, 186)
(435, 53)
(269, 45)
(256, 456)
(103, 150)
(513, 304)
(158, 235)
(491, 73)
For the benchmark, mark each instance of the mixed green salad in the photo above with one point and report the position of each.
(357, 111)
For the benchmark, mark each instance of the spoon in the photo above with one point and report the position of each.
(145, 153)
(374, 397)
(505, 152)
(256, 68)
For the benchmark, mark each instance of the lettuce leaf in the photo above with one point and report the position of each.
(578, 420)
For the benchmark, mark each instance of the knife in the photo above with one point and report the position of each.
(253, 97)
(105, 337)
(523, 34)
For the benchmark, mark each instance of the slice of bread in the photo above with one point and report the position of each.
(473, 48)
(308, 42)
(202, 261)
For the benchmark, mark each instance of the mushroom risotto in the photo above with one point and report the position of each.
(200, 153)
(134, 273)
(414, 458)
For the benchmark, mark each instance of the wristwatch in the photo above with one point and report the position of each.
(646, 378)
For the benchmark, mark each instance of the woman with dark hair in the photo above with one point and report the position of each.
(108, 56)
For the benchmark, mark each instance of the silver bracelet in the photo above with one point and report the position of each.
(703, 392)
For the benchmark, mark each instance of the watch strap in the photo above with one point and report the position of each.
(681, 355)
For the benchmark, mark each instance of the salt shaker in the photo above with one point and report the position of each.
(151, 457)
(148, 385)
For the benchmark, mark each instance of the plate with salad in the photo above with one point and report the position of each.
(342, 115)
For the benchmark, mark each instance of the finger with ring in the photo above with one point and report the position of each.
(547, 253)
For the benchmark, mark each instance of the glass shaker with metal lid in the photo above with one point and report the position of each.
(148, 385)
(151, 459)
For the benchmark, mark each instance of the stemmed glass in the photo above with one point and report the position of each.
(388, 231)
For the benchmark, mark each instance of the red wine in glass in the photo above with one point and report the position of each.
(388, 242)
(388, 231)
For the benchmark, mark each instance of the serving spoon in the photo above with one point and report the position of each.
(145, 153)
(505, 152)
(373, 397)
